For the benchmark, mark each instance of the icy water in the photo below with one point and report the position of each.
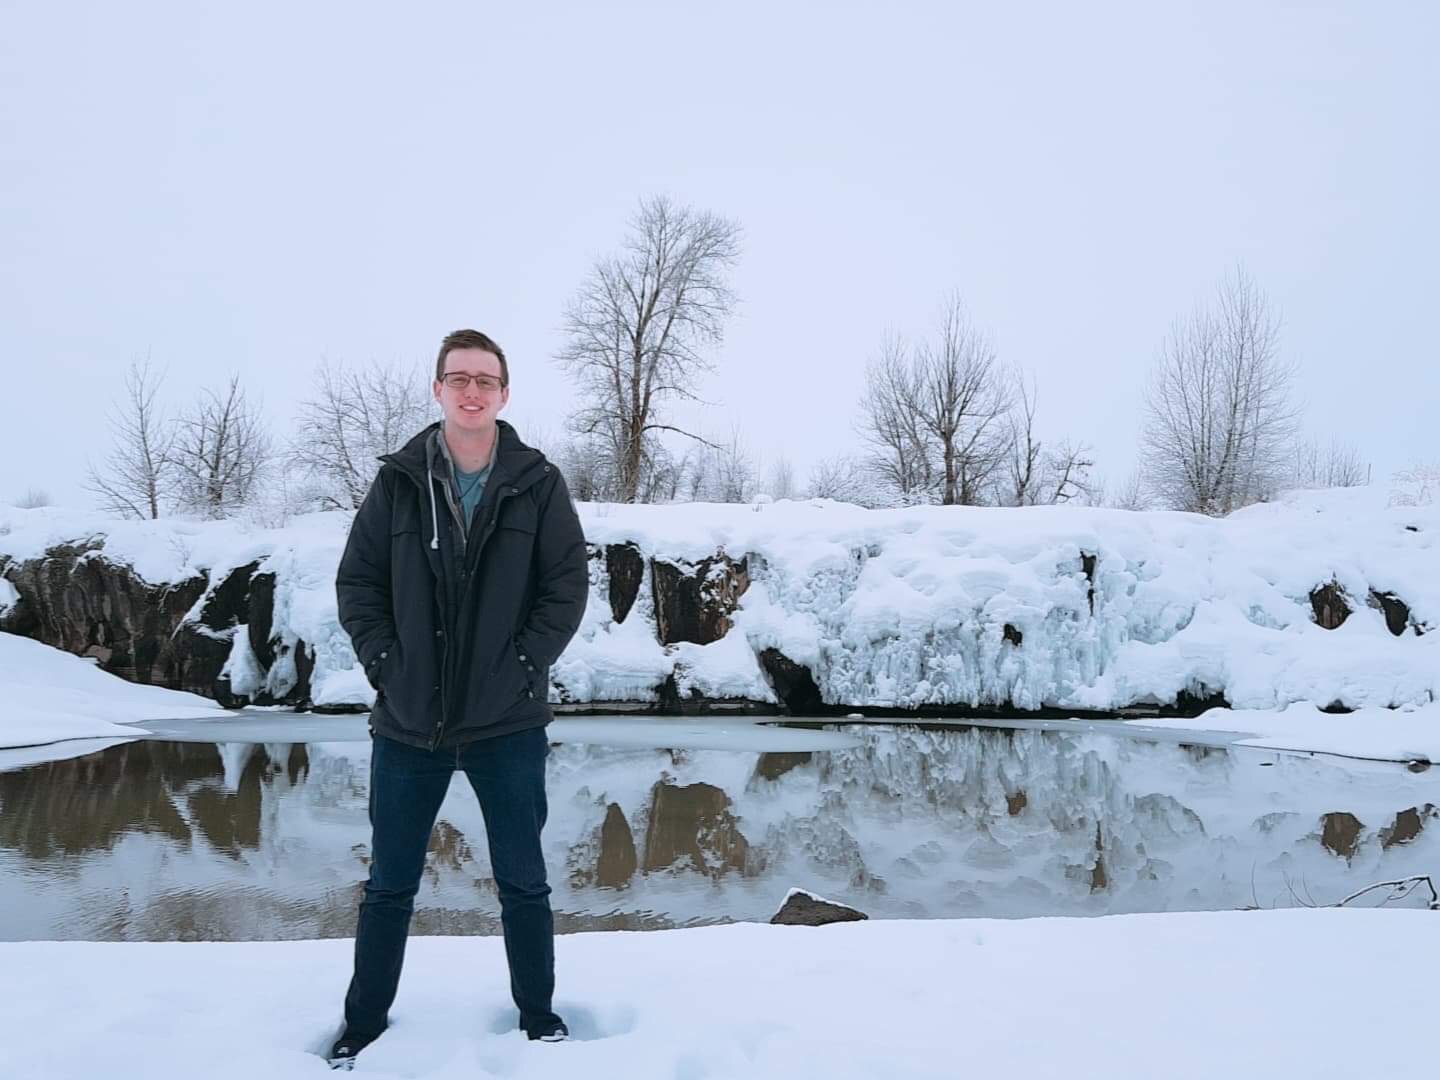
(165, 840)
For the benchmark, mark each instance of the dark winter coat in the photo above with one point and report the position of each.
(457, 634)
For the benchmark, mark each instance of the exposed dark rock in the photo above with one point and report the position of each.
(75, 599)
(228, 604)
(262, 616)
(1012, 634)
(1330, 605)
(1397, 612)
(777, 763)
(1099, 879)
(693, 824)
(793, 684)
(1198, 752)
(625, 568)
(1087, 564)
(617, 862)
(304, 669)
(1408, 825)
(1016, 803)
(1193, 702)
(1340, 833)
(804, 909)
(1336, 708)
(668, 694)
(694, 602)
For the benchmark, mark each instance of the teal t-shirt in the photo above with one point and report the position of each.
(470, 485)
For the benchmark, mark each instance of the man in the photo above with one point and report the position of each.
(463, 579)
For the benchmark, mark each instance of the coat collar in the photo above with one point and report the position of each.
(516, 464)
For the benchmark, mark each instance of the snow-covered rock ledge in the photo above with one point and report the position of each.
(1322, 597)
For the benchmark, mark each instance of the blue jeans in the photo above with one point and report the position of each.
(407, 786)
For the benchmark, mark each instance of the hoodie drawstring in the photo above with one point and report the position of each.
(434, 519)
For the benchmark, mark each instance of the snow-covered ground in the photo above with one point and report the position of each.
(47, 695)
(1314, 994)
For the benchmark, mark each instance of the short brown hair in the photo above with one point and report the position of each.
(471, 339)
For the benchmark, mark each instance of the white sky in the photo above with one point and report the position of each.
(255, 187)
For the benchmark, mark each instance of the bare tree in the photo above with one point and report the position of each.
(782, 479)
(1130, 495)
(33, 499)
(1416, 485)
(935, 416)
(136, 477)
(1335, 465)
(1034, 474)
(220, 452)
(1218, 416)
(1067, 473)
(1022, 460)
(639, 328)
(962, 402)
(584, 463)
(350, 419)
(901, 455)
(733, 470)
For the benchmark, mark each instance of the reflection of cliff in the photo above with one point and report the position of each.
(174, 790)
(985, 821)
(273, 841)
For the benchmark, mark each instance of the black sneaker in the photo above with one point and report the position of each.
(342, 1054)
(556, 1032)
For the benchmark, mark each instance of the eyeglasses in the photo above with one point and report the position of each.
(459, 380)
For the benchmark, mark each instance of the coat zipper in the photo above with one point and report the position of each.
(472, 562)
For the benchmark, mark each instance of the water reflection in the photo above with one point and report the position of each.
(160, 841)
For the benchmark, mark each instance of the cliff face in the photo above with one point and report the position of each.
(179, 635)
(217, 635)
(76, 599)
(811, 608)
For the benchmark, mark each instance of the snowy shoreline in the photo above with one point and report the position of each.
(1187, 995)
(1287, 611)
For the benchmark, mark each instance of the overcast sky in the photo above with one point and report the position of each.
(258, 187)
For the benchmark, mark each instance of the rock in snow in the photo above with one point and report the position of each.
(803, 908)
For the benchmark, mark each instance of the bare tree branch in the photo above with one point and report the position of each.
(351, 418)
(220, 453)
(1219, 420)
(639, 329)
(136, 477)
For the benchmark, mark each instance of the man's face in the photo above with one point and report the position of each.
(473, 408)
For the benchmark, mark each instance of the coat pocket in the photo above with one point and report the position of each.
(382, 665)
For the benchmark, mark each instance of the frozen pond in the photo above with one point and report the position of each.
(663, 822)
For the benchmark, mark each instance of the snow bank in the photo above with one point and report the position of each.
(929, 607)
(50, 695)
(1187, 997)
(1410, 733)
